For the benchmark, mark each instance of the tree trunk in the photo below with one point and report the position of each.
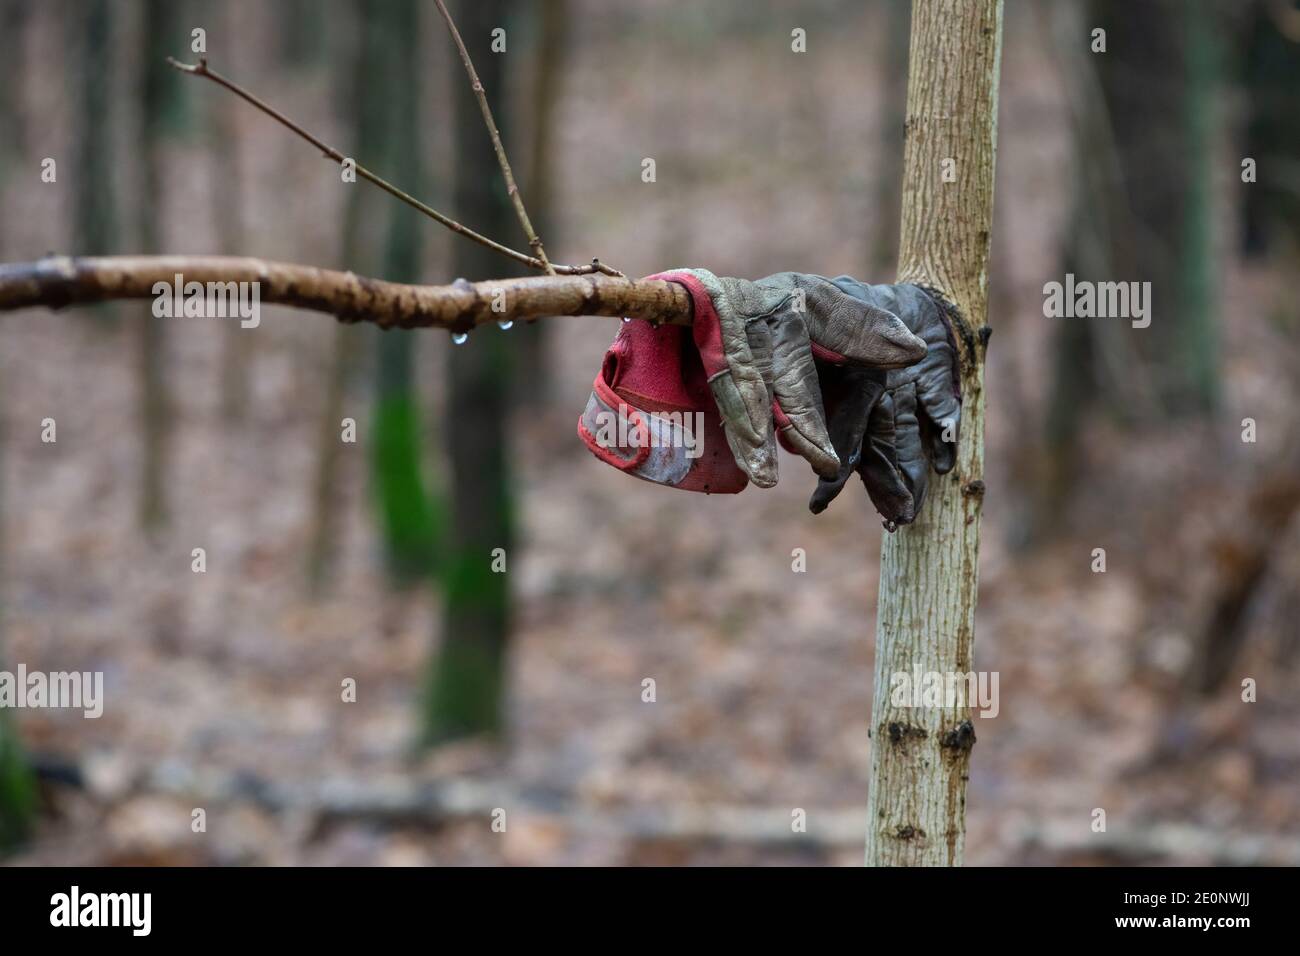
(360, 99)
(467, 678)
(532, 365)
(1158, 83)
(13, 135)
(408, 519)
(161, 111)
(920, 757)
(17, 785)
(889, 168)
(227, 214)
(1266, 69)
(1095, 217)
(96, 211)
(1198, 355)
(302, 34)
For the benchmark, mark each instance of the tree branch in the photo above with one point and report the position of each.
(58, 281)
(512, 190)
(535, 262)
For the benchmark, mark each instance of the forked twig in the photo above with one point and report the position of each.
(535, 262)
(480, 94)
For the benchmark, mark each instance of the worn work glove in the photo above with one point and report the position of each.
(651, 413)
(890, 426)
(757, 341)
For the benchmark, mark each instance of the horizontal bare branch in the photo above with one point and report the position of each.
(58, 281)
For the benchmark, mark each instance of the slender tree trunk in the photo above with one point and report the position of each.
(17, 785)
(161, 111)
(1157, 82)
(13, 136)
(534, 369)
(227, 205)
(467, 678)
(889, 169)
(1266, 68)
(301, 34)
(920, 757)
(1086, 252)
(96, 211)
(407, 517)
(362, 100)
(1197, 294)
(326, 506)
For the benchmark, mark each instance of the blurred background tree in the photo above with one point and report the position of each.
(1268, 63)
(97, 228)
(13, 20)
(409, 517)
(1144, 127)
(17, 786)
(357, 91)
(301, 41)
(17, 782)
(466, 682)
(163, 106)
(223, 137)
(547, 39)
(385, 238)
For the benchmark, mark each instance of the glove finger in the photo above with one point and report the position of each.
(751, 446)
(913, 463)
(856, 332)
(937, 396)
(738, 379)
(937, 376)
(849, 395)
(797, 397)
(878, 466)
(943, 453)
(798, 442)
(761, 361)
(761, 349)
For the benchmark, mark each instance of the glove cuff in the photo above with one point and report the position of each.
(651, 413)
(706, 326)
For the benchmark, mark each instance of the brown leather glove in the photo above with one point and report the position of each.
(892, 426)
(757, 341)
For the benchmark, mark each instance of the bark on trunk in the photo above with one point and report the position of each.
(925, 620)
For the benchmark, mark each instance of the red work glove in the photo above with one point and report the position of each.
(652, 415)
(752, 367)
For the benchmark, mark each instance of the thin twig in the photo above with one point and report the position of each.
(534, 242)
(58, 281)
(202, 69)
